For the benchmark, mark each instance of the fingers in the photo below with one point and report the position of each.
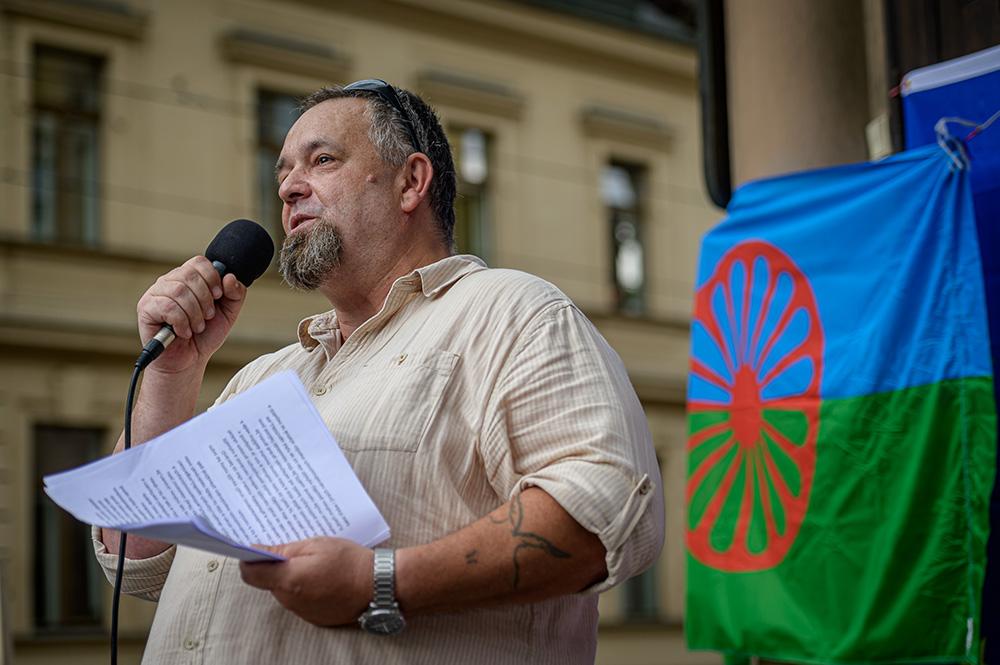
(200, 280)
(184, 297)
(209, 275)
(325, 581)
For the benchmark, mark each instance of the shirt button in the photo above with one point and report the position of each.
(319, 391)
(645, 487)
(190, 644)
(400, 358)
(212, 565)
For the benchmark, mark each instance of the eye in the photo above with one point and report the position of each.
(324, 159)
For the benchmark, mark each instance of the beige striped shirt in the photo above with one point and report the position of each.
(469, 385)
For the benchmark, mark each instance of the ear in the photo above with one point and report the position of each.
(417, 174)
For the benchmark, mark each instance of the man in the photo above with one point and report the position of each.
(491, 424)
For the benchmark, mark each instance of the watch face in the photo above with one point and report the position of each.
(382, 621)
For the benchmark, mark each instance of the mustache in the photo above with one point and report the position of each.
(308, 210)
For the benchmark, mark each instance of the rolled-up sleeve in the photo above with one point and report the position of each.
(142, 578)
(564, 417)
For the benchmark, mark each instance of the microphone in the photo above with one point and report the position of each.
(243, 248)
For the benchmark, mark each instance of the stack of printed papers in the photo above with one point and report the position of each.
(261, 468)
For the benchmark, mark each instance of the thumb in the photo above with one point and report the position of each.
(283, 552)
(233, 298)
(286, 550)
(262, 574)
(233, 289)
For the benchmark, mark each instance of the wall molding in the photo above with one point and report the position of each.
(112, 18)
(449, 89)
(625, 126)
(262, 49)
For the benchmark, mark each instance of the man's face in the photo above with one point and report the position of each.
(337, 194)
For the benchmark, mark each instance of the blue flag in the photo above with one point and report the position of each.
(841, 419)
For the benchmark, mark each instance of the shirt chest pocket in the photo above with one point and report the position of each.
(393, 402)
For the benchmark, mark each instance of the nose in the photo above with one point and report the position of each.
(294, 187)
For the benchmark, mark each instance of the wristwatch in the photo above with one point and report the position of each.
(383, 616)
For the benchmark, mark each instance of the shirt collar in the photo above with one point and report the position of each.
(432, 280)
(438, 276)
(314, 329)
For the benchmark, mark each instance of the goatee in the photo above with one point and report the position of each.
(309, 256)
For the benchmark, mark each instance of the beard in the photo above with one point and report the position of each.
(308, 257)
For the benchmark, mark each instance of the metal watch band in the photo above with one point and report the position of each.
(385, 577)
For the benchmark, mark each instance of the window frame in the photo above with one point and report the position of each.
(273, 225)
(67, 119)
(639, 176)
(463, 102)
(94, 577)
(485, 191)
(250, 77)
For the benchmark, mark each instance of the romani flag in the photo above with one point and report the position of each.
(842, 423)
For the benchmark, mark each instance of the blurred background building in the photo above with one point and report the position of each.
(791, 85)
(133, 130)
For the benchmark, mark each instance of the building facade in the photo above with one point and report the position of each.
(134, 129)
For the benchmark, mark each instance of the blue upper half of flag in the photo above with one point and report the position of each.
(849, 280)
(969, 88)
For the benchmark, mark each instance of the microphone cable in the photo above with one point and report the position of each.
(243, 248)
(123, 540)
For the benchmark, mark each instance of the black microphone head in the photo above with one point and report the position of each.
(244, 247)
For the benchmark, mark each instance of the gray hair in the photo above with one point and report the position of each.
(392, 142)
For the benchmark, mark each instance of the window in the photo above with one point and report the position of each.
(641, 597)
(68, 580)
(66, 141)
(276, 113)
(640, 594)
(622, 192)
(471, 148)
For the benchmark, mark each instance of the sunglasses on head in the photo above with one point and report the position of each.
(388, 95)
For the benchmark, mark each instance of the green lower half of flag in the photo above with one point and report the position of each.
(887, 562)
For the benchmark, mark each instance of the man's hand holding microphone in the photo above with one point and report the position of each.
(200, 306)
(184, 317)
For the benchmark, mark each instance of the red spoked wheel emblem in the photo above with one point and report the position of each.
(753, 409)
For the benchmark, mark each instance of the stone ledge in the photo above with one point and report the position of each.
(454, 90)
(617, 125)
(112, 18)
(261, 49)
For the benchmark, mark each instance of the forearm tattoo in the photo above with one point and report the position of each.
(528, 540)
